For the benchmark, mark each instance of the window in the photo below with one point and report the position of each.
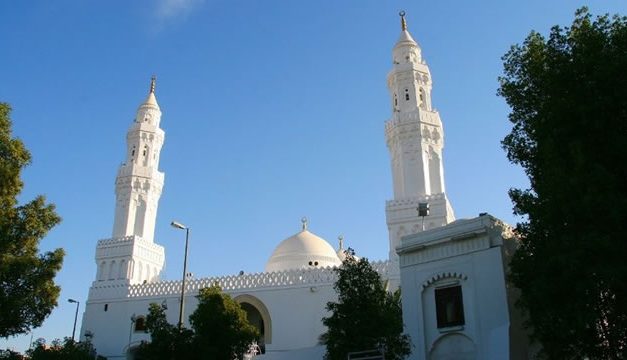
(106, 307)
(406, 94)
(140, 324)
(449, 306)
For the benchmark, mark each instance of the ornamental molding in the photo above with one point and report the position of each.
(230, 283)
(445, 275)
(443, 249)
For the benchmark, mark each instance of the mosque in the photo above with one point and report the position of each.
(456, 304)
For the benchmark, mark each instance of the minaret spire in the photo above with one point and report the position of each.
(153, 84)
(403, 22)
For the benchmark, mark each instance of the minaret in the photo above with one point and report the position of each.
(415, 139)
(139, 181)
(130, 255)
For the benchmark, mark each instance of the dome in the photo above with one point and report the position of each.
(302, 250)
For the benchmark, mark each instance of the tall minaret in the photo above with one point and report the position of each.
(131, 255)
(415, 137)
(139, 181)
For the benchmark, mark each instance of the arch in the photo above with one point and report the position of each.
(442, 276)
(263, 312)
(145, 155)
(140, 271)
(140, 215)
(435, 179)
(112, 270)
(102, 275)
(453, 346)
(123, 270)
(140, 324)
(422, 98)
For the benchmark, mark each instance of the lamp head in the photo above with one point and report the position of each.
(178, 225)
(72, 301)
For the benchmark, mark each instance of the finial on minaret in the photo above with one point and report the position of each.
(403, 22)
(341, 241)
(153, 83)
(305, 222)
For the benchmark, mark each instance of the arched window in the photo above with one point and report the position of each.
(145, 154)
(123, 270)
(140, 324)
(112, 270)
(140, 271)
(102, 271)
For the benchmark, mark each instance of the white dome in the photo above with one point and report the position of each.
(302, 250)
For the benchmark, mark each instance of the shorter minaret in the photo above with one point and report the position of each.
(131, 254)
(415, 139)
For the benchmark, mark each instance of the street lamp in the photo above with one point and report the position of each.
(78, 303)
(180, 226)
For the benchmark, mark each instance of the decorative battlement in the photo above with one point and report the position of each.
(411, 201)
(146, 172)
(422, 116)
(228, 283)
(128, 240)
(116, 241)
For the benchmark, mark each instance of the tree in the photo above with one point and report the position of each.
(220, 331)
(27, 290)
(221, 326)
(10, 355)
(568, 96)
(167, 341)
(365, 316)
(66, 350)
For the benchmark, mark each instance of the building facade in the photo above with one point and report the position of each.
(298, 279)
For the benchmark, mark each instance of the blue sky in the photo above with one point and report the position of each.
(273, 110)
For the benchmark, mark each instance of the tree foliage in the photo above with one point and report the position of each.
(27, 290)
(568, 96)
(365, 316)
(66, 350)
(167, 342)
(221, 326)
(220, 331)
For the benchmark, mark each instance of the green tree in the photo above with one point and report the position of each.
(365, 316)
(27, 290)
(568, 96)
(10, 355)
(220, 331)
(221, 326)
(66, 350)
(167, 342)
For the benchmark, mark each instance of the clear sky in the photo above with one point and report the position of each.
(273, 110)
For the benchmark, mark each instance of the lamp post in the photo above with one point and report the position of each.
(180, 226)
(78, 303)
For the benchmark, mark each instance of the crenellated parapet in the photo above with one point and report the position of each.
(229, 283)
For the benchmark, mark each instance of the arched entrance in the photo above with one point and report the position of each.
(258, 316)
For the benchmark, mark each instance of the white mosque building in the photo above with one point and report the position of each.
(456, 303)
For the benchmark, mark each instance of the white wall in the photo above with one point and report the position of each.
(468, 253)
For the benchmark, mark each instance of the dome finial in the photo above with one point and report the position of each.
(403, 22)
(305, 222)
(153, 84)
(341, 241)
